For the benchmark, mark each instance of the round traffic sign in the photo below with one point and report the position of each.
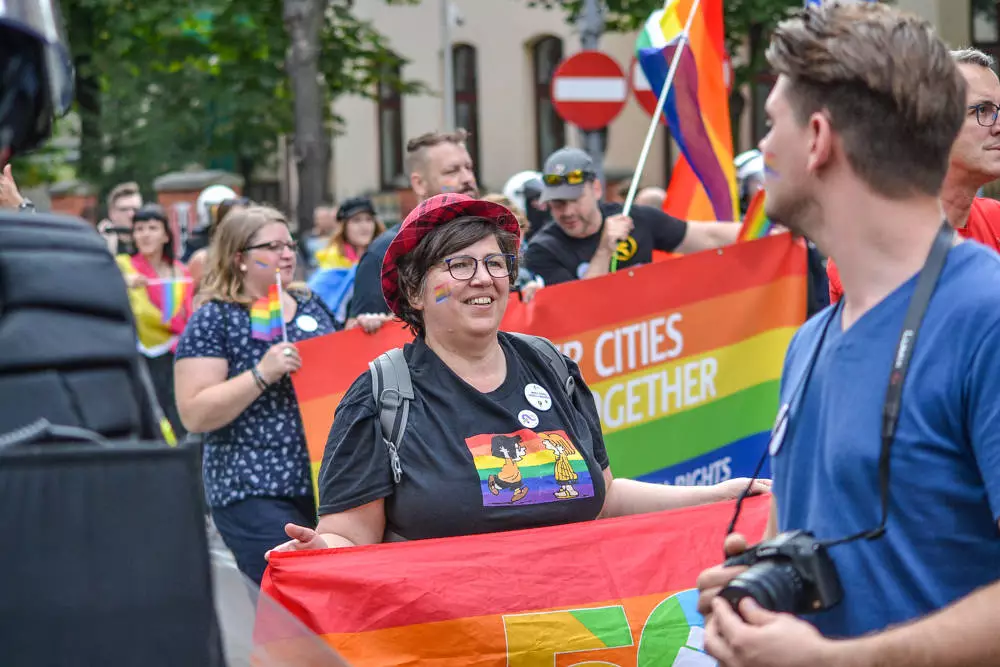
(644, 95)
(589, 90)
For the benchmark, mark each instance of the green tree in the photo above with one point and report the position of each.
(162, 84)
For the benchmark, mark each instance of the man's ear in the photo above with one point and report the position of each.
(418, 185)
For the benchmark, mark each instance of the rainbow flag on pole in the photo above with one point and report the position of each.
(697, 107)
(755, 223)
(266, 322)
(608, 592)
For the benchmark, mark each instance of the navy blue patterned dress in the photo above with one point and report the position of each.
(262, 453)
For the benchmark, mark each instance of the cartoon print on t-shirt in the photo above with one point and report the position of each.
(528, 468)
(564, 473)
(509, 449)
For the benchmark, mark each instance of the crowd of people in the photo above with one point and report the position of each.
(879, 143)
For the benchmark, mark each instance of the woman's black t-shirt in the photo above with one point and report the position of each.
(522, 456)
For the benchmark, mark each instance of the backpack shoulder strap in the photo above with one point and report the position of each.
(555, 359)
(393, 391)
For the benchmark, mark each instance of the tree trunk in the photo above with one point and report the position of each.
(83, 37)
(303, 21)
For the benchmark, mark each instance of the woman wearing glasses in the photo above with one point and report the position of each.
(236, 389)
(473, 457)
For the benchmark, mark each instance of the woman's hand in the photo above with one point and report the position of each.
(732, 488)
(303, 539)
(134, 280)
(372, 323)
(278, 361)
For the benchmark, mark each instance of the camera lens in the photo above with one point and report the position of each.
(774, 586)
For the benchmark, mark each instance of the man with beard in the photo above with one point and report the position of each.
(902, 375)
(974, 161)
(438, 162)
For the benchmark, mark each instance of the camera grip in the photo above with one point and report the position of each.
(740, 560)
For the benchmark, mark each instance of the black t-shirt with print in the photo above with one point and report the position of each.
(559, 258)
(472, 462)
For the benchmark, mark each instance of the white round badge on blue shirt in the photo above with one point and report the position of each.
(538, 397)
(779, 430)
(307, 323)
(527, 418)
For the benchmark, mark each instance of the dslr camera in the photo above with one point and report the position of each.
(792, 573)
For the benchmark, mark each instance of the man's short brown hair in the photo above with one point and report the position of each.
(416, 148)
(122, 190)
(890, 87)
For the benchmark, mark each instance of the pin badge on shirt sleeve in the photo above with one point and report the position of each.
(527, 418)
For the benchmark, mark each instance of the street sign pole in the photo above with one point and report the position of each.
(591, 28)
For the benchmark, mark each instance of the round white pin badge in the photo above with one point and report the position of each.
(538, 397)
(307, 323)
(527, 418)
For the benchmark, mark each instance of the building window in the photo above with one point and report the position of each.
(467, 97)
(550, 131)
(985, 33)
(390, 129)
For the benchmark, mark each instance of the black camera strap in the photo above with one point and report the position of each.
(919, 301)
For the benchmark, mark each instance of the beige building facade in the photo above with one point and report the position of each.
(504, 52)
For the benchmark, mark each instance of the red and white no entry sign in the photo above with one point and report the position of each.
(644, 94)
(589, 90)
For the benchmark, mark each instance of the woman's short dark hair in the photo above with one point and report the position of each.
(440, 242)
(156, 212)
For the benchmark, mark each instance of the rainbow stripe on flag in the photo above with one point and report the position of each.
(756, 224)
(612, 592)
(266, 322)
(174, 291)
(697, 107)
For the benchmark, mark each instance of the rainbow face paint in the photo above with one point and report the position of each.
(441, 292)
(769, 169)
(261, 264)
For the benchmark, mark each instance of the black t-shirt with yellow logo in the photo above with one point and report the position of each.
(559, 258)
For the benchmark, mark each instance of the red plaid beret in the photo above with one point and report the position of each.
(430, 213)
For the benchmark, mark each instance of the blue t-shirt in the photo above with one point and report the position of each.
(262, 452)
(942, 540)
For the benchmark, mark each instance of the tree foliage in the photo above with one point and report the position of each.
(163, 84)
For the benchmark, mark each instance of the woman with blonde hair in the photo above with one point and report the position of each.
(233, 385)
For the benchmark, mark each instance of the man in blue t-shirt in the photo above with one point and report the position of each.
(863, 116)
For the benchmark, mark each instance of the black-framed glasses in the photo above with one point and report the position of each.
(464, 267)
(986, 113)
(274, 246)
(575, 177)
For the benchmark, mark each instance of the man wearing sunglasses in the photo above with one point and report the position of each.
(974, 160)
(586, 232)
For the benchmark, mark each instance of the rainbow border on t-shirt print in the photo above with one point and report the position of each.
(535, 457)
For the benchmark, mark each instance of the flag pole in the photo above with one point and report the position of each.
(682, 42)
(281, 305)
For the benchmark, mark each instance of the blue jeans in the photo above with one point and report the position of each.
(252, 526)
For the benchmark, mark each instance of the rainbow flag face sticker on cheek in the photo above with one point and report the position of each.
(769, 169)
(441, 292)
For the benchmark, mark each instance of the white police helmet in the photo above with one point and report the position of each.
(513, 189)
(208, 202)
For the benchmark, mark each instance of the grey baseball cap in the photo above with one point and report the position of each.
(560, 163)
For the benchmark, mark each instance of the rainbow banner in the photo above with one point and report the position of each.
(683, 358)
(607, 592)
(756, 224)
(265, 315)
(696, 108)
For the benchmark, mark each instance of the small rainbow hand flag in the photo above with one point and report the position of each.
(174, 292)
(755, 222)
(266, 322)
